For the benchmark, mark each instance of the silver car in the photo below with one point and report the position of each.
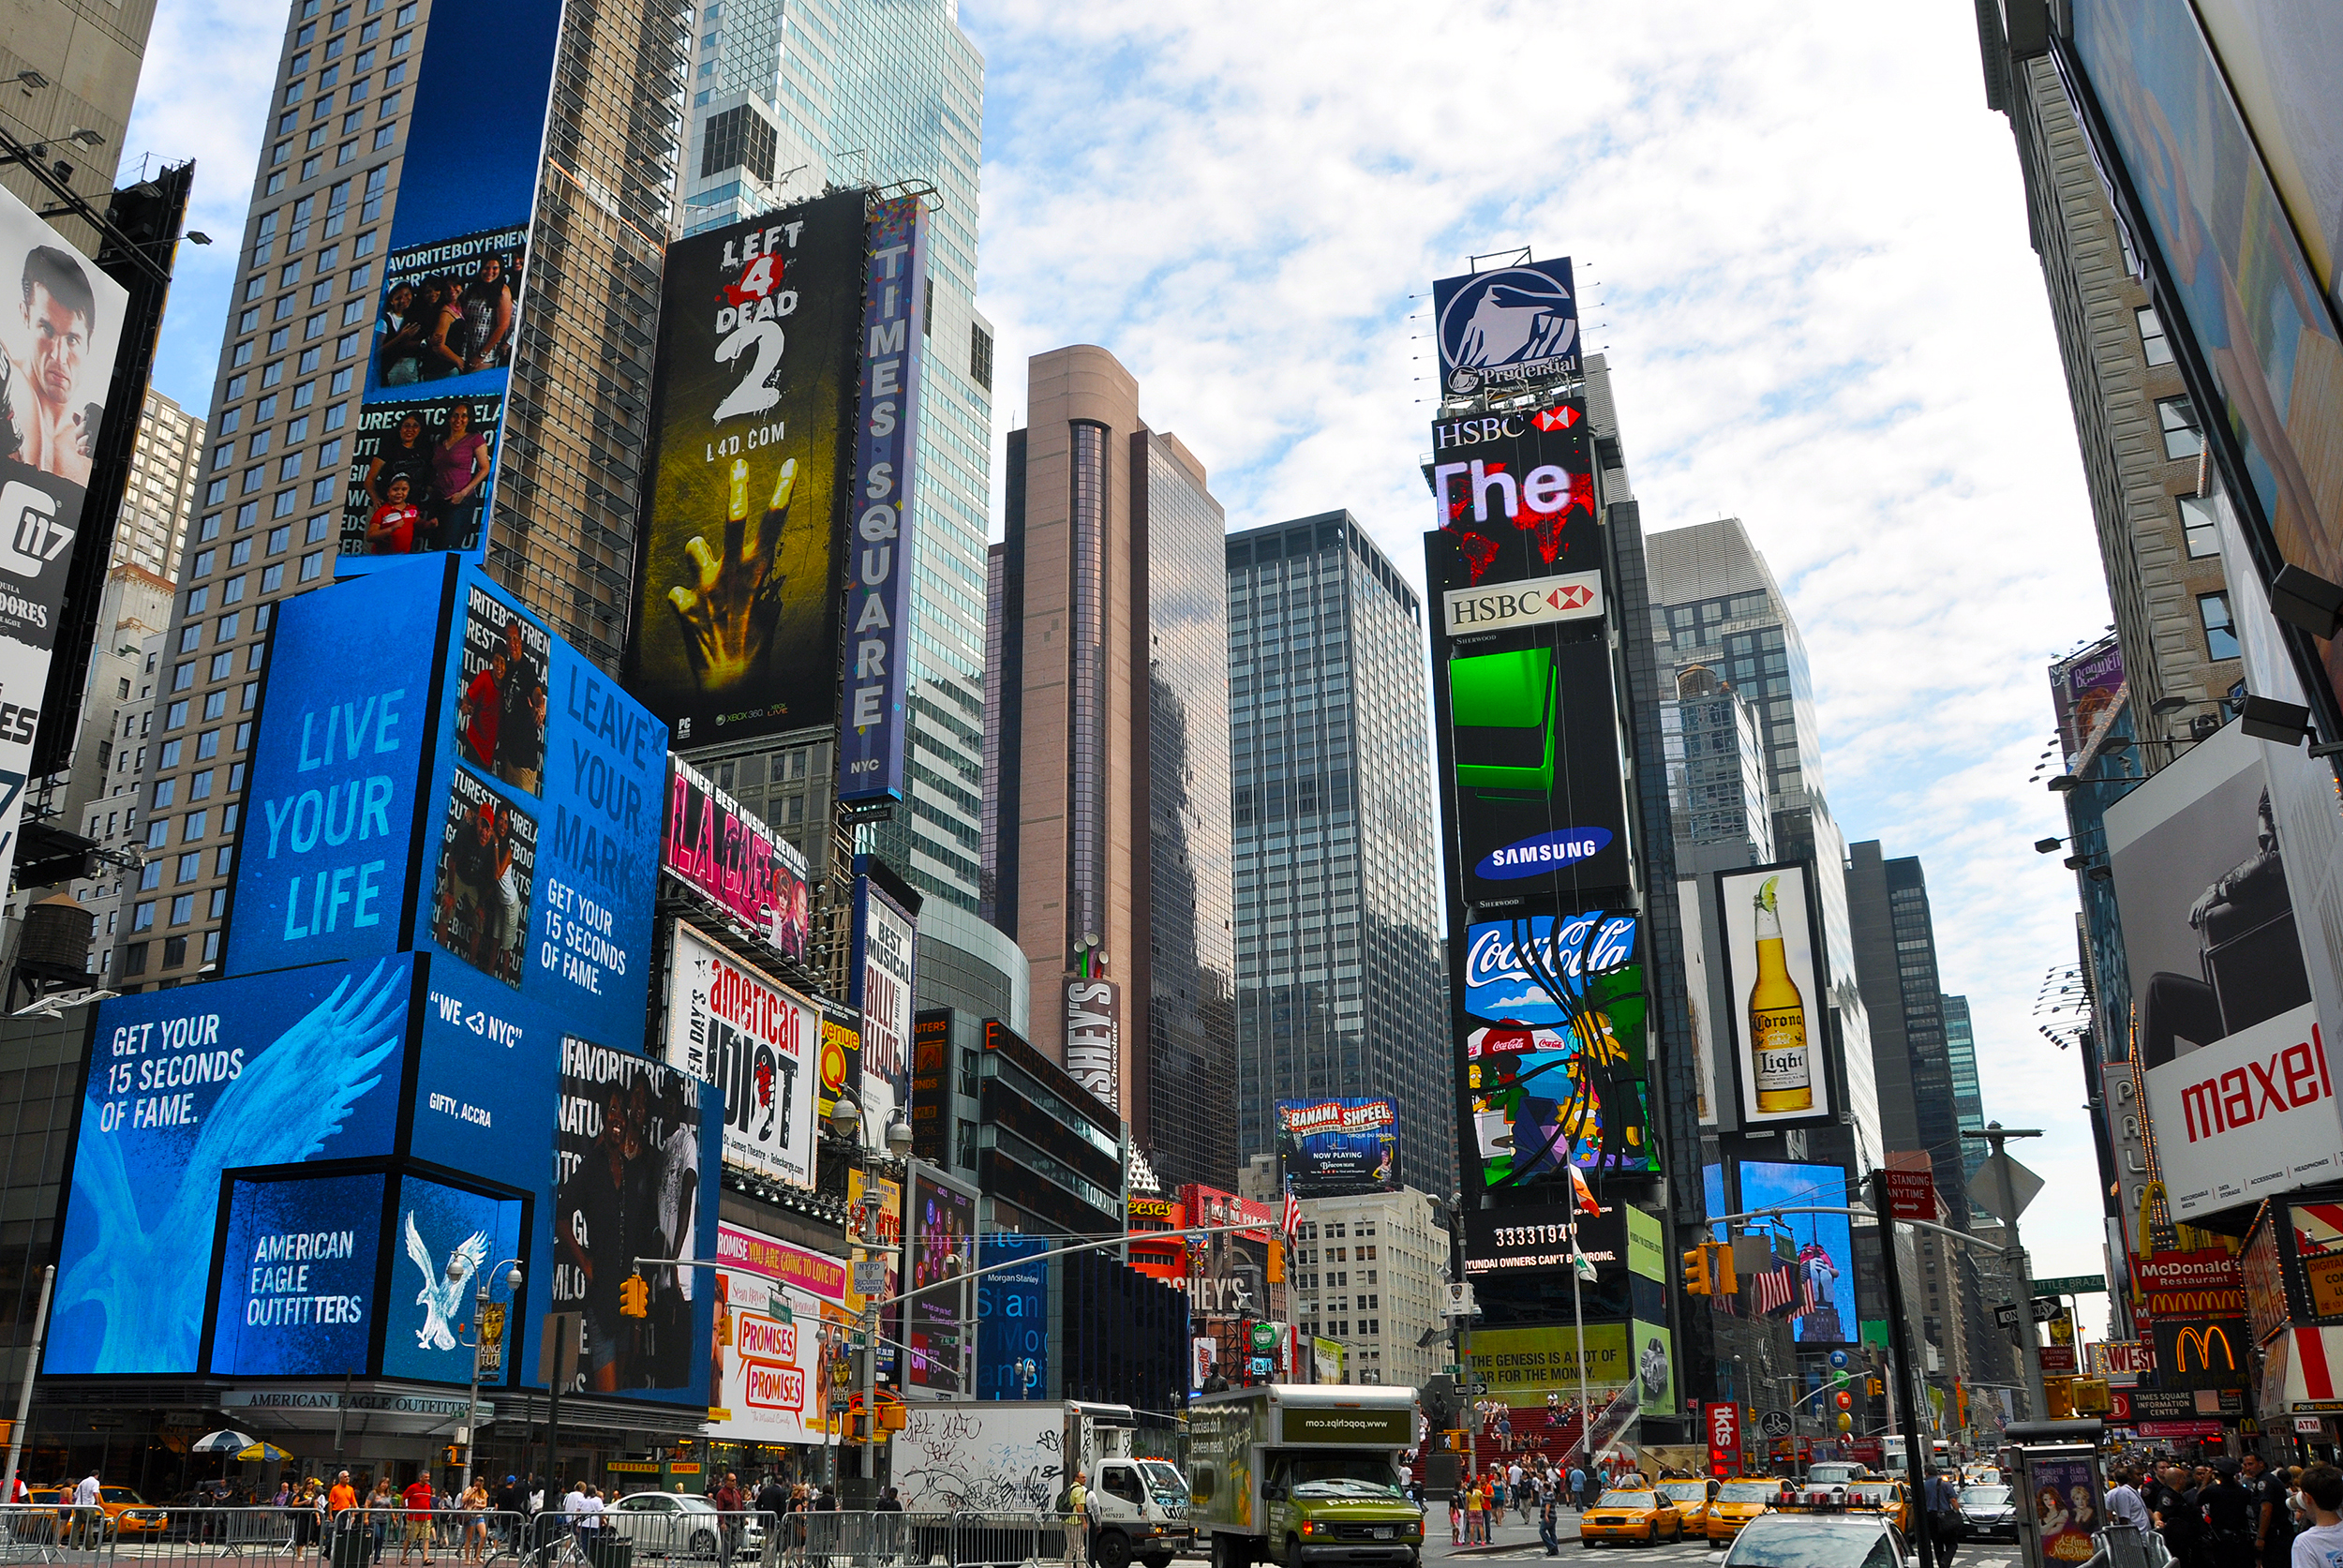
(682, 1524)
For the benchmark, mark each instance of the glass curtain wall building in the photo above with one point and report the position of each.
(1339, 971)
(786, 101)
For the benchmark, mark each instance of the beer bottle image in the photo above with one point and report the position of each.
(1778, 1058)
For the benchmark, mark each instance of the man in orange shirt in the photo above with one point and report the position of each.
(418, 1496)
(341, 1498)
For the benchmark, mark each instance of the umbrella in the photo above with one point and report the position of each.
(268, 1453)
(225, 1440)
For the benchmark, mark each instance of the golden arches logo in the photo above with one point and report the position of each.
(2202, 1338)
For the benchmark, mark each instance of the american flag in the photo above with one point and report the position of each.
(1786, 1289)
(1290, 1219)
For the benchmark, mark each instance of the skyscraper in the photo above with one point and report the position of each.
(283, 415)
(74, 65)
(1968, 1101)
(1895, 955)
(1338, 967)
(783, 102)
(1724, 612)
(160, 499)
(1109, 854)
(1717, 801)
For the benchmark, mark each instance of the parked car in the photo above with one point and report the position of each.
(1692, 1499)
(1739, 1500)
(680, 1524)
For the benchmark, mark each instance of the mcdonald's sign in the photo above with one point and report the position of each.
(2205, 1352)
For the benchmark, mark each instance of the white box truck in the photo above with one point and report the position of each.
(1015, 1458)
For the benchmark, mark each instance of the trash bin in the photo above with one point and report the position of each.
(607, 1549)
(349, 1548)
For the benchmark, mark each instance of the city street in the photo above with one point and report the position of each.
(1519, 1543)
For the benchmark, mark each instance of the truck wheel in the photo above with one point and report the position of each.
(1293, 1552)
(1111, 1550)
(1158, 1559)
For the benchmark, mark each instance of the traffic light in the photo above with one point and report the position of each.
(1721, 1277)
(635, 1296)
(1875, 1387)
(1696, 1272)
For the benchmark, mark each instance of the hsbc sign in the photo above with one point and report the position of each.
(1539, 602)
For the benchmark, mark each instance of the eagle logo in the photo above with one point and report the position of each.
(442, 1293)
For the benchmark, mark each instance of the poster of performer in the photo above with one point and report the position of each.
(634, 1147)
(60, 325)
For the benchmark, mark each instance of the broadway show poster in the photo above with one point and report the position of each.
(448, 318)
(759, 1042)
(1338, 1145)
(59, 331)
(183, 1085)
(726, 853)
(736, 629)
(2065, 1497)
(1555, 1049)
(636, 1148)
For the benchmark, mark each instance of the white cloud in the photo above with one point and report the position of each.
(205, 93)
(1802, 240)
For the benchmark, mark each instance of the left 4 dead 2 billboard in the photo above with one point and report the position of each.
(430, 427)
(436, 770)
(329, 1139)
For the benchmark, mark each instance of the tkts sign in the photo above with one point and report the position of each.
(1725, 1439)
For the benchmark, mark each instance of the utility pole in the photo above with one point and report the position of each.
(2020, 1271)
(24, 1394)
(1900, 1340)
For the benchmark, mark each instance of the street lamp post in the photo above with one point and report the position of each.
(479, 1343)
(2022, 1273)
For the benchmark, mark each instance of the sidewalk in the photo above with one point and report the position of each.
(1511, 1535)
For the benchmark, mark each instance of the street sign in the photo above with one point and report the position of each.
(2045, 1310)
(2058, 1358)
(1775, 1423)
(1476, 1388)
(778, 1309)
(1911, 1195)
(1985, 1186)
(869, 1278)
(2006, 1314)
(2072, 1285)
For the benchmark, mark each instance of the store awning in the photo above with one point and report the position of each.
(2310, 1360)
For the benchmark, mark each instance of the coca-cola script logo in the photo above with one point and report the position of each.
(1512, 966)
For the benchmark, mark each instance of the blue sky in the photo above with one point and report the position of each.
(1801, 236)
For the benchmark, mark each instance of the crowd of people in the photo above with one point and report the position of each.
(2233, 1513)
(1540, 1489)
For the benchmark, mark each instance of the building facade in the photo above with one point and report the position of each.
(1339, 969)
(783, 102)
(1370, 1271)
(1895, 956)
(74, 67)
(1716, 775)
(152, 528)
(1109, 856)
(562, 531)
(1968, 1099)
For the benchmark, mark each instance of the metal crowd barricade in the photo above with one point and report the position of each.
(52, 1532)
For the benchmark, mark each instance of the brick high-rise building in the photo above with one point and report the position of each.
(307, 286)
(1107, 741)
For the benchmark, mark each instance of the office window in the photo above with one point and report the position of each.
(2157, 347)
(182, 911)
(2182, 436)
(2198, 526)
(2220, 633)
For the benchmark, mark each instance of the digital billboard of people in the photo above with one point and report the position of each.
(52, 424)
(481, 901)
(500, 717)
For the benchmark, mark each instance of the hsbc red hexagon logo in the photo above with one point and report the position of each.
(1556, 419)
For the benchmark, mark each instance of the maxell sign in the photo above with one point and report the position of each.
(2246, 1118)
(1539, 602)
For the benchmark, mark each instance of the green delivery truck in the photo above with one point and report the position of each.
(1302, 1473)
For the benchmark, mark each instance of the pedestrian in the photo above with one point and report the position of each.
(2175, 1520)
(1549, 1522)
(1943, 1516)
(2124, 1503)
(2229, 1512)
(1456, 1515)
(1077, 1521)
(2264, 1519)
(2320, 1545)
(1476, 1513)
(417, 1535)
(1578, 1486)
(375, 1518)
(304, 1512)
(475, 1516)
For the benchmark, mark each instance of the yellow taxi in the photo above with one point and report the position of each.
(1890, 1498)
(126, 1512)
(1641, 1514)
(1692, 1498)
(1738, 1501)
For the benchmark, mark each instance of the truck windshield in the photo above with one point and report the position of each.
(1353, 1473)
(1163, 1481)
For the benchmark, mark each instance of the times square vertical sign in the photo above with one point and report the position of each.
(879, 543)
